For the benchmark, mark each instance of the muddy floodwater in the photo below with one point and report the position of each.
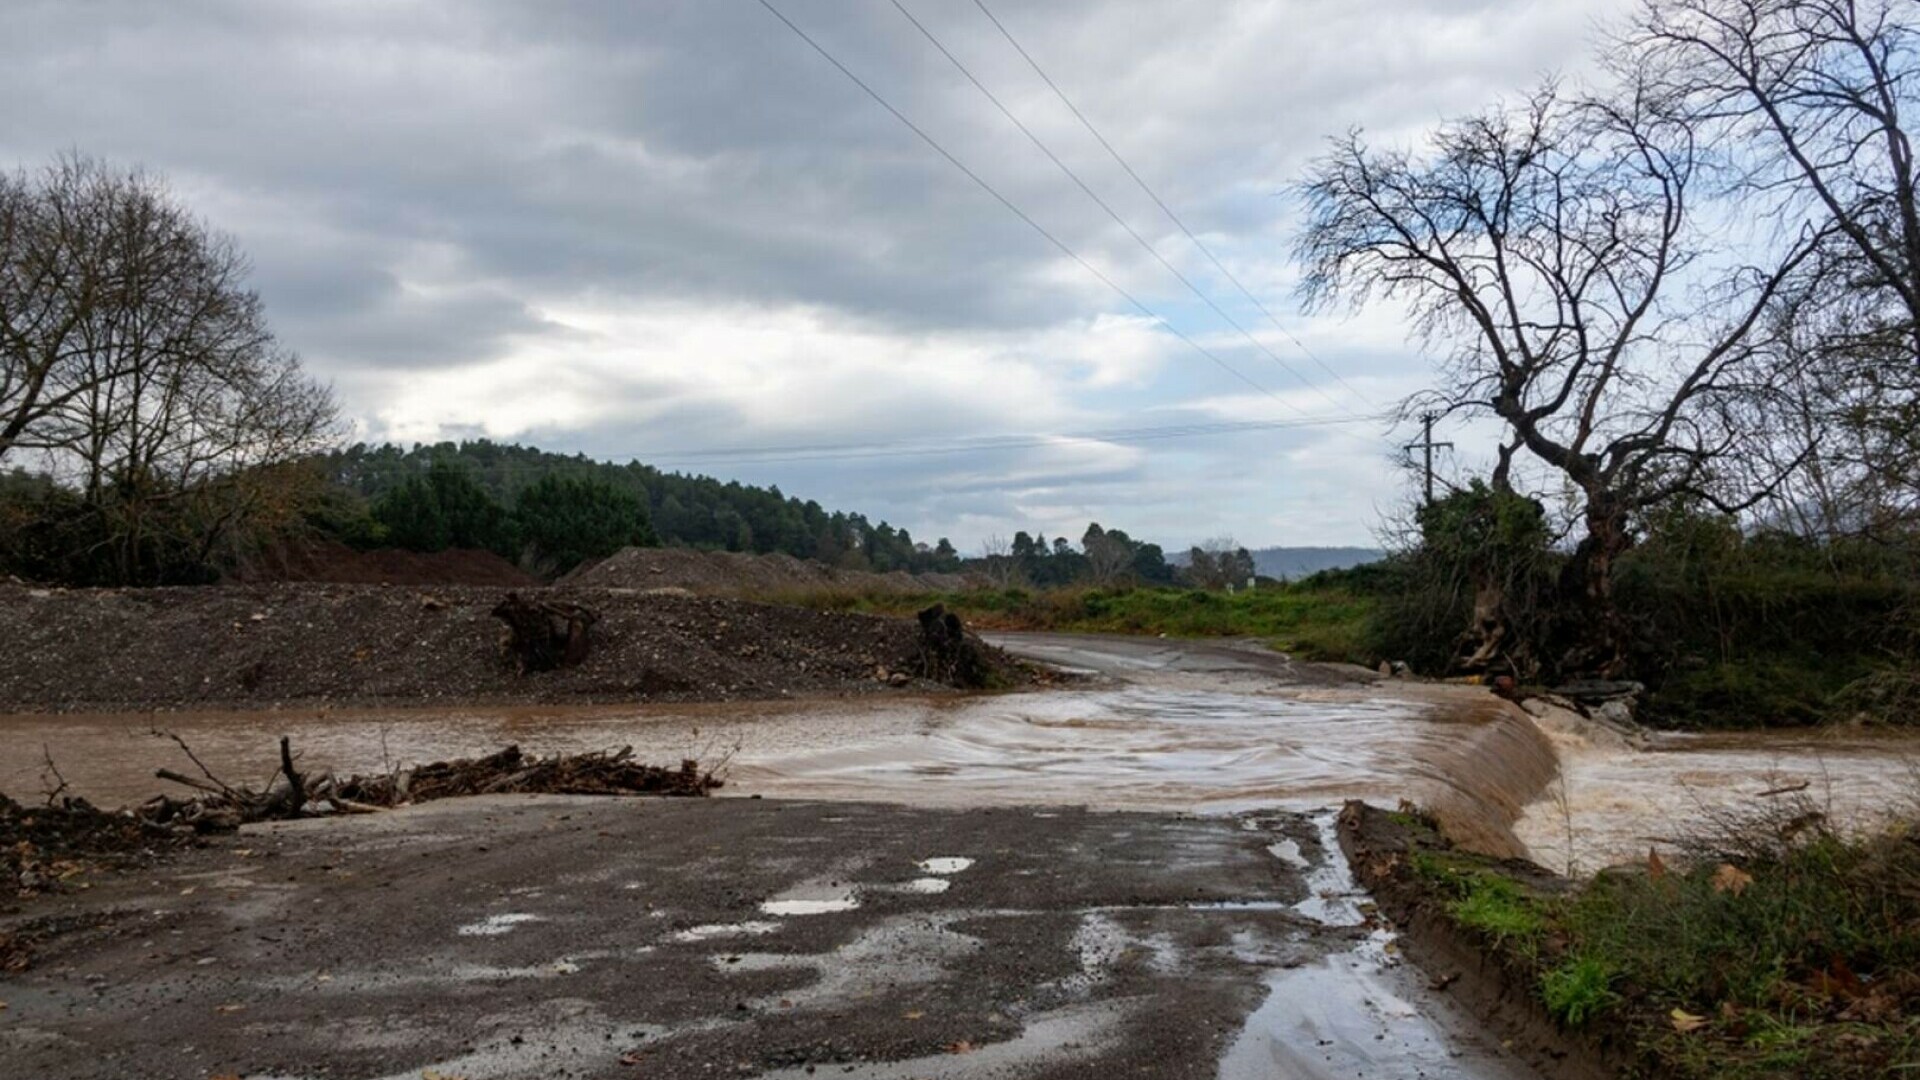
(1157, 726)
(1227, 731)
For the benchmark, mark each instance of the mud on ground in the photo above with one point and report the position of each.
(310, 644)
(552, 937)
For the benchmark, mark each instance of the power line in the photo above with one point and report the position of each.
(1017, 212)
(1161, 203)
(1104, 205)
(977, 444)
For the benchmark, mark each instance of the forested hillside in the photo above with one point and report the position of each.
(685, 511)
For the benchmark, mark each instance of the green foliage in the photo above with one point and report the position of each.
(1730, 628)
(1737, 629)
(1497, 908)
(1578, 990)
(565, 521)
(444, 509)
(1313, 623)
(683, 511)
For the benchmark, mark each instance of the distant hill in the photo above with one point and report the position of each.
(1293, 563)
(685, 511)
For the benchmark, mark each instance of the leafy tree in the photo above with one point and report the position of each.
(564, 521)
(445, 509)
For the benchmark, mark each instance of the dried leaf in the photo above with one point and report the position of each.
(630, 1058)
(915, 1014)
(961, 1047)
(1656, 868)
(1684, 1021)
(1731, 879)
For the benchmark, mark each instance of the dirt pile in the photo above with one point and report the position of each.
(308, 644)
(332, 561)
(728, 573)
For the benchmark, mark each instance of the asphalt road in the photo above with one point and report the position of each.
(540, 937)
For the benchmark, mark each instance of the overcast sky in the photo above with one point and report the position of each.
(660, 229)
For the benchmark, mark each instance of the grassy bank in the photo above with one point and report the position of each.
(1314, 623)
(1772, 947)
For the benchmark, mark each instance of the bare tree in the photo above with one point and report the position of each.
(1811, 99)
(1557, 254)
(1810, 96)
(998, 563)
(134, 358)
(1218, 562)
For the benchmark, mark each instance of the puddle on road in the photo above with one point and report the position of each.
(1334, 898)
(1349, 1014)
(712, 931)
(495, 925)
(813, 898)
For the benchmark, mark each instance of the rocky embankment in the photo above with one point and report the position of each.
(311, 644)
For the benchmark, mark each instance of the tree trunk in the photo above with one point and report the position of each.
(544, 634)
(1598, 636)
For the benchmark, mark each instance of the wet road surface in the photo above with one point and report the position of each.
(962, 935)
(922, 892)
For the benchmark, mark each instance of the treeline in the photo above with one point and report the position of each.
(672, 509)
(476, 494)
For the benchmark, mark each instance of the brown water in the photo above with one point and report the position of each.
(1611, 802)
(1181, 727)
(1166, 726)
(1137, 746)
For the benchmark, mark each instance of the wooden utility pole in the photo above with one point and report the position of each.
(1427, 446)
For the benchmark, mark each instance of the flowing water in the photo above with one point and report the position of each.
(1165, 728)
(1612, 802)
(1155, 726)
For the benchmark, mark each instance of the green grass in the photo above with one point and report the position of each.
(1578, 990)
(1498, 908)
(1788, 950)
(1315, 623)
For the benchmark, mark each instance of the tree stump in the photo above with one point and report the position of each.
(947, 654)
(543, 635)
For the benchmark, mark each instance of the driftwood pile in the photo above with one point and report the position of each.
(612, 773)
(217, 806)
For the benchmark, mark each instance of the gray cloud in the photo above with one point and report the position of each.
(545, 214)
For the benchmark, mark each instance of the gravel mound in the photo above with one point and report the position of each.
(267, 645)
(729, 573)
